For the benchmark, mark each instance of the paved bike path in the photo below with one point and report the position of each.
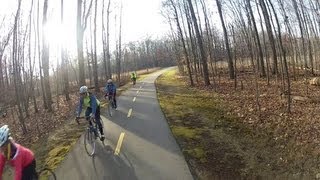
(148, 149)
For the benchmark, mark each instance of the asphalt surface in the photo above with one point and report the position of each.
(138, 145)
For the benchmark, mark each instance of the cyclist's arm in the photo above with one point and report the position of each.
(114, 89)
(80, 107)
(2, 163)
(17, 163)
(93, 104)
(18, 171)
(106, 90)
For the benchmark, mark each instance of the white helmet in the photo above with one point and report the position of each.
(109, 81)
(4, 134)
(83, 89)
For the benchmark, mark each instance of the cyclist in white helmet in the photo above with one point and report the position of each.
(19, 157)
(92, 105)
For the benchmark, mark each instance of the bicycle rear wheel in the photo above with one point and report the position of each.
(46, 173)
(90, 142)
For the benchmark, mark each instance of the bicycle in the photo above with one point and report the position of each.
(111, 105)
(92, 133)
(46, 173)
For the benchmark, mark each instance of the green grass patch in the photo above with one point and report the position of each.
(185, 132)
(213, 142)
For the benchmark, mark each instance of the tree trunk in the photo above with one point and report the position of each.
(183, 42)
(230, 63)
(258, 39)
(90, 57)
(3, 48)
(270, 35)
(201, 47)
(31, 65)
(64, 64)
(81, 26)
(284, 59)
(45, 103)
(95, 63)
(104, 44)
(45, 57)
(119, 50)
(108, 42)
(15, 69)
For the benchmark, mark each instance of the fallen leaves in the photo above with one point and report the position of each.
(40, 123)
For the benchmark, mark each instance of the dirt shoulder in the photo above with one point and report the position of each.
(222, 136)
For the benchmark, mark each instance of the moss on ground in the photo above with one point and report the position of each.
(213, 142)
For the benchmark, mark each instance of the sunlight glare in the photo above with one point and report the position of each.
(54, 34)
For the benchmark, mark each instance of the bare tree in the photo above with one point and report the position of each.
(104, 43)
(119, 49)
(108, 42)
(64, 64)
(176, 17)
(257, 38)
(82, 18)
(45, 57)
(31, 64)
(45, 102)
(95, 63)
(3, 46)
(230, 63)
(201, 47)
(16, 72)
(270, 35)
(284, 58)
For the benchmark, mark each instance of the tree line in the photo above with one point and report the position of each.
(275, 39)
(28, 78)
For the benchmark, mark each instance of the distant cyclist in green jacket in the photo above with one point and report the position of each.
(89, 101)
(133, 77)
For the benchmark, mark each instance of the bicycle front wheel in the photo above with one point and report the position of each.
(89, 142)
(110, 109)
(46, 173)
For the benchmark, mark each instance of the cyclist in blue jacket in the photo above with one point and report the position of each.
(89, 101)
(111, 91)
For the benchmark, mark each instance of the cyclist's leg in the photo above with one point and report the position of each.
(87, 114)
(114, 99)
(29, 172)
(98, 120)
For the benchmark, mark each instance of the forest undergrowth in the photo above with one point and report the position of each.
(224, 136)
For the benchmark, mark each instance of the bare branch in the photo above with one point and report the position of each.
(87, 15)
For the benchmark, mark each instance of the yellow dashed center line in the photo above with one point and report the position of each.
(119, 144)
(137, 92)
(129, 113)
(134, 99)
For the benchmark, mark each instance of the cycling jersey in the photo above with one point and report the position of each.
(133, 76)
(88, 102)
(110, 89)
(22, 158)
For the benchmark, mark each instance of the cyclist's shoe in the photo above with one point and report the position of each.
(102, 137)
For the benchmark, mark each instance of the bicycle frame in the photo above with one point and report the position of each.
(92, 133)
(93, 127)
